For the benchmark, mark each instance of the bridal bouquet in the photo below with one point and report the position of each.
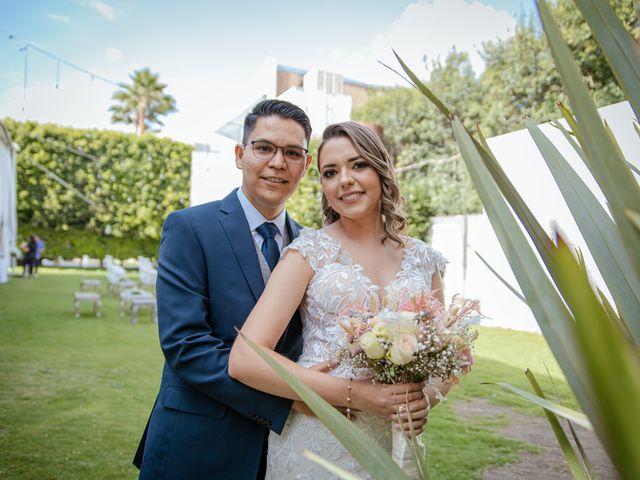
(419, 341)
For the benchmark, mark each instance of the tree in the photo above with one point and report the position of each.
(142, 102)
(586, 50)
(414, 133)
(305, 205)
(521, 80)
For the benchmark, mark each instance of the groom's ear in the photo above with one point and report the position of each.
(239, 150)
(307, 163)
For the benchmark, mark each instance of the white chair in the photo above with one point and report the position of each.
(87, 297)
(115, 275)
(128, 295)
(149, 303)
(88, 284)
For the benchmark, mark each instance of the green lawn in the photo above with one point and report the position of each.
(76, 393)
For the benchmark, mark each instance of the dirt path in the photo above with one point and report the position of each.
(548, 464)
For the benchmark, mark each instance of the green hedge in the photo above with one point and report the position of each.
(134, 183)
(75, 243)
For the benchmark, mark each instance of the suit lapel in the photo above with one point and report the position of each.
(236, 227)
(293, 227)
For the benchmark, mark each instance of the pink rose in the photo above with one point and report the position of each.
(403, 349)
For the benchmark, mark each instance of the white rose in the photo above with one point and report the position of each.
(403, 349)
(381, 330)
(371, 346)
(406, 321)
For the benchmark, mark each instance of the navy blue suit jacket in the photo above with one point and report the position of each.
(205, 424)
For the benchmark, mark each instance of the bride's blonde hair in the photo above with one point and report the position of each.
(370, 148)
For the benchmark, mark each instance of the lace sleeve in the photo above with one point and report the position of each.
(433, 260)
(306, 245)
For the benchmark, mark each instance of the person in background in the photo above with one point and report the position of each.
(29, 258)
(39, 249)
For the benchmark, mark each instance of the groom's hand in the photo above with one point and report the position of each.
(324, 367)
(301, 407)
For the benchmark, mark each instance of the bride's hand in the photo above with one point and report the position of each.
(419, 413)
(382, 400)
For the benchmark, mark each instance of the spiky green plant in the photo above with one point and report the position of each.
(595, 343)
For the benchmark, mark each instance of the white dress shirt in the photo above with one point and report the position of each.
(255, 219)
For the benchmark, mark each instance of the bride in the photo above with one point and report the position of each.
(360, 258)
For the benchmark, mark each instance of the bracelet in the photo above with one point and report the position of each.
(349, 398)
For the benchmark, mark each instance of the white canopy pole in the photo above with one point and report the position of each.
(8, 207)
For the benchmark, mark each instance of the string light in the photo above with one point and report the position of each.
(60, 60)
(24, 49)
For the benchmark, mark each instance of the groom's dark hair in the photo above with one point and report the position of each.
(280, 108)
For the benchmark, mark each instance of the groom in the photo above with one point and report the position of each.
(213, 264)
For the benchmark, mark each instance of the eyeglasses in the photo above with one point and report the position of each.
(266, 151)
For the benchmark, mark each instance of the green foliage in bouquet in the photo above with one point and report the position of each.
(596, 343)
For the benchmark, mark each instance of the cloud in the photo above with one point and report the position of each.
(59, 18)
(102, 8)
(426, 31)
(113, 54)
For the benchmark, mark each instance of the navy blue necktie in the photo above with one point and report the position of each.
(269, 248)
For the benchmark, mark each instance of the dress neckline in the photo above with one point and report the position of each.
(344, 253)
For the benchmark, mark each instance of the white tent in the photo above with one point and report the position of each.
(8, 214)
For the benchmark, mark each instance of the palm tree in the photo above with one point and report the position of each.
(142, 102)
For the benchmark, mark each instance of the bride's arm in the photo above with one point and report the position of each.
(265, 325)
(437, 288)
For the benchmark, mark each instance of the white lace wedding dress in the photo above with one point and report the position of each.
(339, 285)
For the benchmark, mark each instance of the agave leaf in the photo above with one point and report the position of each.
(505, 283)
(608, 167)
(634, 217)
(614, 140)
(583, 455)
(591, 472)
(550, 312)
(423, 88)
(636, 127)
(327, 465)
(417, 450)
(615, 318)
(619, 47)
(482, 139)
(540, 238)
(572, 134)
(569, 136)
(367, 452)
(538, 235)
(612, 364)
(598, 230)
(576, 417)
(573, 462)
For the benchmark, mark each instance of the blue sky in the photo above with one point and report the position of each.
(208, 51)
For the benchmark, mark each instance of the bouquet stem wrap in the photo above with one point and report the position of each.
(401, 451)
